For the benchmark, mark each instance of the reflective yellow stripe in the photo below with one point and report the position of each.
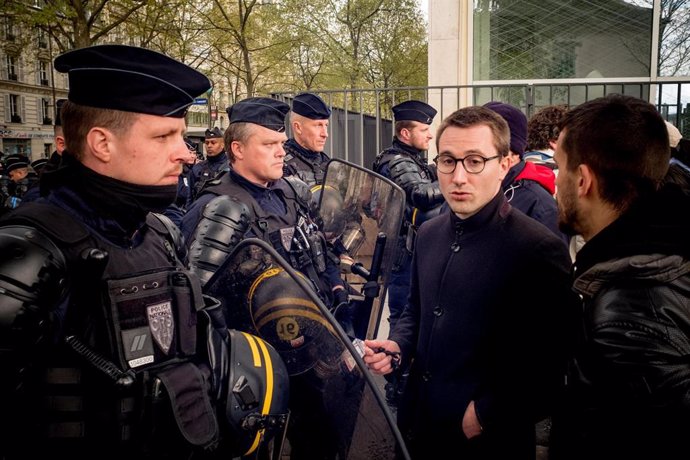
(268, 396)
(284, 302)
(414, 215)
(255, 350)
(267, 274)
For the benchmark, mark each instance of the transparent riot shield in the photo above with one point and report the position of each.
(336, 408)
(360, 213)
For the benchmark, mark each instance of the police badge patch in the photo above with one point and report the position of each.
(286, 235)
(161, 324)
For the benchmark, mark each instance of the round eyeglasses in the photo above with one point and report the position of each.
(473, 164)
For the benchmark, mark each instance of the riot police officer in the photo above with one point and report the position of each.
(404, 163)
(100, 322)
(304, 156)
(253, 199)
(206, 170)
(258, 201)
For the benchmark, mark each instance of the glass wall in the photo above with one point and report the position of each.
(548, 39)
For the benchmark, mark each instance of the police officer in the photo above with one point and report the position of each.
(258, 201)
(215, 162)
(304, 156)
(404, 163)
(98, 336)
(22, 178)
(253, 199)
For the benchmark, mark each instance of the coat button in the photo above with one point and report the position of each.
(438, 311)
(426, 376)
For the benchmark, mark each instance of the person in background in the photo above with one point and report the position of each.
(176, 210)
(304, 155)
(487, 352)
(205, 170)
(628, 385)
(528, 186)
(404, 162)
(542, 134)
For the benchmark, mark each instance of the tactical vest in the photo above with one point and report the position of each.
(208, 173)
(408, 227)
(125, 350)
(312, 172)
(387, 155)
(294, 236)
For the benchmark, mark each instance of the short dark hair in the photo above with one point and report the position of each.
(78, 120)
(542, 127)
(239, 132)
(623, 140)
(475, 115)
(403, 124)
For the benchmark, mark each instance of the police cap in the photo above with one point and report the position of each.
(214, 133)
(414, 111)
(16, 162)
(264, 111)
(37, 165)
(131, 79)
(310, 106)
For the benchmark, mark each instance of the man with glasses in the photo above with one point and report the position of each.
(486, 350)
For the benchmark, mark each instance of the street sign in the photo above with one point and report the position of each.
(200, 101)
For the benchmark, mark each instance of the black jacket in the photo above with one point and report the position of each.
(484, 322)
(629, 382)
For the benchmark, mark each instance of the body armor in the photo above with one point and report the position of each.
(309, 170)
(294, 235)
(420, 183)
(113, 334)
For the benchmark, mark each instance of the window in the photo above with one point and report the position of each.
(43, 73)
(45, 112)
(545, 39)
(11, 67)
(10, 30)
(42, 39)
(15, 108)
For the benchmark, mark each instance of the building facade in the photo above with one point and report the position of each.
(28, 90)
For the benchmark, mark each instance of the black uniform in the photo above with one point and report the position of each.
(86, 370)
(309, 166)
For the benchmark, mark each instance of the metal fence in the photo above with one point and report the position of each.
(361, 124)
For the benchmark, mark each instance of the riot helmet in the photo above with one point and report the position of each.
(258, 393)
(285, 316)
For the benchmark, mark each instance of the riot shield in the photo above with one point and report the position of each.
(336, 408)
(360, 212)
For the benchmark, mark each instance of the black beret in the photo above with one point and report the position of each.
(264, 111)
(131, 79)
(16, 162)
(191, 145)
(37, 165)
(311, 106)
(414, 111)
(58, 110)
(214, 133)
